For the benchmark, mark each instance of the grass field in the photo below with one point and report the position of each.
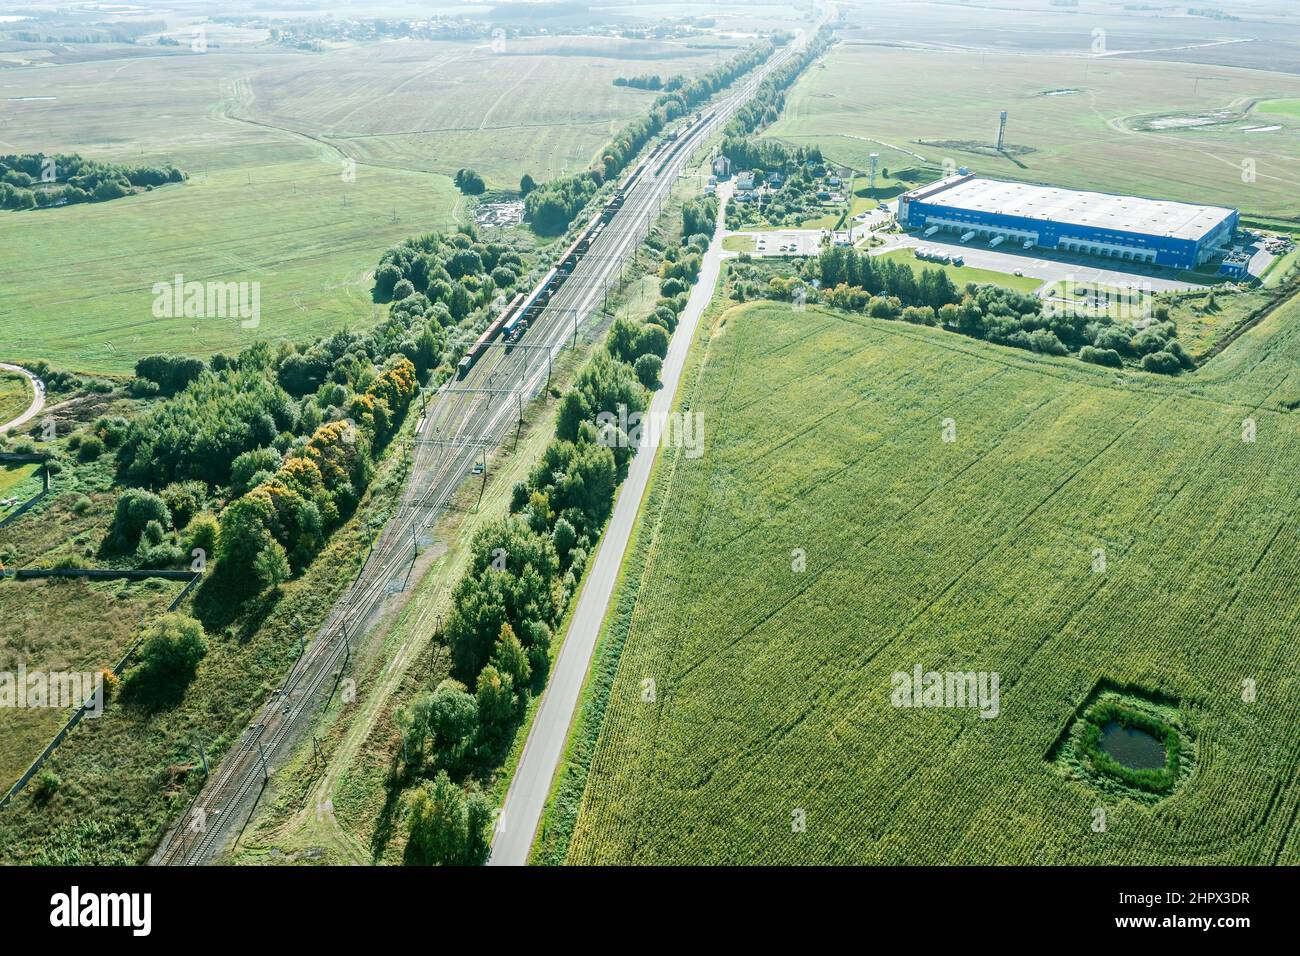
(963, 274)
(15, 395)
(265, 137)
(867, 99)
(1280, 108)
(18, 481)
(65, 625)
(773, 684)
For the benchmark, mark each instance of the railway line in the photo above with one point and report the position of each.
(462, 420)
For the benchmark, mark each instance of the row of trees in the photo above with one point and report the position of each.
(882, 288)
(32, 180)
(551, 207)
(650, 81)
(766, 104)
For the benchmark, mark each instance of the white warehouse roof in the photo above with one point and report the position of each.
(1097, 210)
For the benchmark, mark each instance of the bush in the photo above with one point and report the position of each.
(169, 657)
(90, 448)
(135, 509)
(647, 369)
(1108, 357)
(184, 499)
(45, 785)
(202, 533)
(1162, 363)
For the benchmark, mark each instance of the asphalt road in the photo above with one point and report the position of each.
(38, 398)
(526, 799)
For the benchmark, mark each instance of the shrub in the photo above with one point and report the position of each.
(647, 369)
(45, 785)
(169, 657)
(1107, 357)
(1162, 363)
(135, 509)
(184, 499)
(90, 448)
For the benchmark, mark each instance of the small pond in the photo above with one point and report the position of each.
(1135, 749)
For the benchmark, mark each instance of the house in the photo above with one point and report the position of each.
(722, 167)
(745, 181)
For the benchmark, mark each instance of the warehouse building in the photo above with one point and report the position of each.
(1153, 231)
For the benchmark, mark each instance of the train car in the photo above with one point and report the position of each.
(481, 343)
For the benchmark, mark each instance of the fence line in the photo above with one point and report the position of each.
(30, 502)
(121, 665)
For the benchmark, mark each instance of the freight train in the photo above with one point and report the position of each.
(524, 309)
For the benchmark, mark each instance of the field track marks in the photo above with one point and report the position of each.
(506, 93)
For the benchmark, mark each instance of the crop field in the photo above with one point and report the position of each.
(1081, 529)
(267, 138)
(1094, 132)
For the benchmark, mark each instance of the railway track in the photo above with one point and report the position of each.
(462, 420)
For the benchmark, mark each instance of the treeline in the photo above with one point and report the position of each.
(552, 206)
(38, 180)
(524, 570)
(858, 282)
(765, 106)
(650, 81)
(289, 469)
(771, 155)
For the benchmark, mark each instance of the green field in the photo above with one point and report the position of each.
(772, 685)
(868, 98)
(63, 625)
(1280, 108)
(15, 395)
(265, 137)
(963, 274)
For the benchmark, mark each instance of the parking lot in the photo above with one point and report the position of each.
(788, 242)
(1051, 267)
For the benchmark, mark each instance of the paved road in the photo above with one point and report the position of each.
(531, 786)
(38, 398)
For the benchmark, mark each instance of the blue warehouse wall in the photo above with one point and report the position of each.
(1167, 251)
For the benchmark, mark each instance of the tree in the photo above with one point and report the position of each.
(573, 411)
(447, 826)
(526, 184)
(253, 467)
(648, 368)
(510, 658)
(135, 509)
(438, 823)
(496, 699)
(469, 182)
(452, 717)
(564, 537)
(167, 662)
(271, 566)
